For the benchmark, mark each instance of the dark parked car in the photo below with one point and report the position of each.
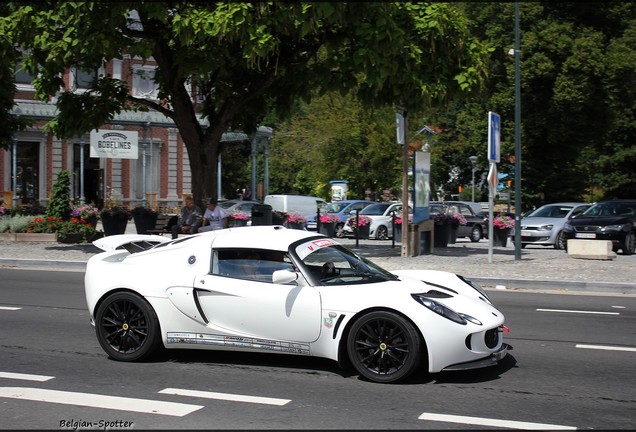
(476, 226)
(606, 220)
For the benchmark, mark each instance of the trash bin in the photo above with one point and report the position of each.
(261, 214)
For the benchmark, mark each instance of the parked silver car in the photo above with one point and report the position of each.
(544, 226)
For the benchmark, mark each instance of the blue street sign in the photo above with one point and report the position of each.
(494, 136)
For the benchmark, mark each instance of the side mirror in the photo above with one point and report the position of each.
(282, 277)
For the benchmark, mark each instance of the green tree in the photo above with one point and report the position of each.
(240, 59)
(60, 204)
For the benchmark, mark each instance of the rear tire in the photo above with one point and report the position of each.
(384, 347)
(629, 244)
(127, 327)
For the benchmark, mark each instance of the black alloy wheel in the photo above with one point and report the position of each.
(561, 242)
(629, 243)
(127, 327)
(384, 347)
(382, 233)
(475, 234)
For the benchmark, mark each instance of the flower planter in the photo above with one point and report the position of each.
(452, 234)
(295, 225)
(70, 238)
(114, 224)
(362, 232)
(328, 229)
(237, 222)
(441, 234)
(144, 221)
(500, 237)
(397, 233)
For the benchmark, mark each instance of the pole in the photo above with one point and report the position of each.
(473, 183)
(254, 195)
(266, 169)
(491, 199)
(82, 197)
(152, 164)
(143, 165)
(405, 189)
(15, 174)
(517, 137)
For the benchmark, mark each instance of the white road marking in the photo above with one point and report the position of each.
(226, 396)
(607, 348)
(99, 401)
(9, 308)
(27, 377)
(492, 422)
(575, 311)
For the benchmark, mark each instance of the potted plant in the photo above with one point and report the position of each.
(114, 219)
(361, 226)
(278, 217)
(455, 219)
(87, 212)
(502, 225)
(441, 229)
(328, 224)
(397, 226)
(295, 220)
(238, 218)
(76, 230)
(145, 219)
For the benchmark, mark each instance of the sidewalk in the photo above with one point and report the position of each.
(540, 268)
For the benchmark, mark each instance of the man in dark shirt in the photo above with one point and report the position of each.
(189, 220)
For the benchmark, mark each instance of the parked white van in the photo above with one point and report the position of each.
(302, 204)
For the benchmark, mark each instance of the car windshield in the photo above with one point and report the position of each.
(375, 209)
(611, 209)
(227, 204)
(329, 263)
(336, 207)
(551, 212)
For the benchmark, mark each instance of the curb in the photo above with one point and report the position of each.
(491, 282)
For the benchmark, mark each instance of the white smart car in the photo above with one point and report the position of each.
(273, 289)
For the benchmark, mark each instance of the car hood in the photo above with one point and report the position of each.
(538, 221)
(600, 220)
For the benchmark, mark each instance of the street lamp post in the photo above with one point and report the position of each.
(473, 161)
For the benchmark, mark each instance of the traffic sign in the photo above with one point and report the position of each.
(494, 136)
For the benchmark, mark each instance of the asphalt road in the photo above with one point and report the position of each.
(559, 374)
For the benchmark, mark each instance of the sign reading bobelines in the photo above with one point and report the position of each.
(114, 144)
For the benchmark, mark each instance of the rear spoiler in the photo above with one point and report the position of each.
(131, 242)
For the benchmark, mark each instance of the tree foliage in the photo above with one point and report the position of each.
(241, 59)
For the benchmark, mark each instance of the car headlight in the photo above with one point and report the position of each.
(545, 227)
(440, 309)
(612, 228)
(567, 226)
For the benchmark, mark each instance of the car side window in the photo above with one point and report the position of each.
(250, 264)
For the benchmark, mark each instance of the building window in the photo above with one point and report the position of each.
(144, 85)
(27, 164)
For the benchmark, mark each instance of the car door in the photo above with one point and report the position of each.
(237, 301)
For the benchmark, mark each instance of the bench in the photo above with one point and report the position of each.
(164, 224)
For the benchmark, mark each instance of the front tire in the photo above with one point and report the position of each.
(382, 233)
(629, 244)
(475, 234)
(127, 327)
(561, 241)
(384, 347)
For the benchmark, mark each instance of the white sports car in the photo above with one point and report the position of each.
(273, 289)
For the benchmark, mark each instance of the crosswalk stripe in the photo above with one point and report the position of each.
(99, 401)
(226, 396)
(26, 377)
(492, 422)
